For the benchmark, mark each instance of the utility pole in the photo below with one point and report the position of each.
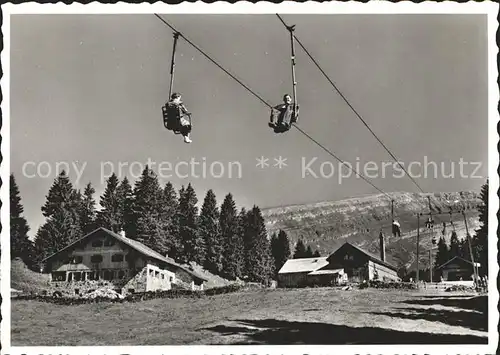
(430, 227)
(469, 241)
(418, 245)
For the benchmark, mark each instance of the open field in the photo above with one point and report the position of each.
(299, 316)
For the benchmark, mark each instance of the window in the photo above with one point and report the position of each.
(97, 243)
(70, 276)
(78, 276)
(84, 274)
(59, 276)
(117, 258)
(151, 272)
(121, 274)
(78, 259)
(109, 242)
(157, 274)
(163, 276)
(95, 259)
(108, 275)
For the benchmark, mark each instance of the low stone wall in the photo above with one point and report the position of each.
(135, 297)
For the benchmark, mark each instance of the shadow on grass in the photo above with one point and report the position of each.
(471, 320)
(479, 303)
(279, 332)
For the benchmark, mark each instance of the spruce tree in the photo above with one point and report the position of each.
(88, 212)
(280, 249)
(62, 209)
(300, 250)
(259, 264)
(192, 243)
(480, 242)
(170, 217)
(125, 196)
(20, 245)
(109, 216)
(210, 231)
(442, 254)
(148, 211)
(309, 252)
(454, 245)
(230, 236)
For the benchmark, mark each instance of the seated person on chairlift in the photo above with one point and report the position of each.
(179, 116)
(284, 114)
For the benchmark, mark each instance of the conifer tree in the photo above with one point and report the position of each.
(109, 216)
(259, 264)
(480, 242)
(148, 212)
(210, 231)
(230, 236)
(88, 212)
(442, 254)
(309, 252)
(125, 196)
(280, 249)
(20, 245)
(300, 250)
(192, 243)
(454, 245)
(170, 216)
(62, 209)
(316, 254)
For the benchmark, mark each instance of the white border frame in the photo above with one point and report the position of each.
(374, 7)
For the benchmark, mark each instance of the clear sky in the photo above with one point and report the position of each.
(88, 89)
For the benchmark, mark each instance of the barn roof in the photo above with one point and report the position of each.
(134, 244)
(461, 260)
(370, 256)
(303, 265)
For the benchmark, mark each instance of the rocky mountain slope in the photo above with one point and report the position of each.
(327, 225)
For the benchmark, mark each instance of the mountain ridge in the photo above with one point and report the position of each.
(326, 225)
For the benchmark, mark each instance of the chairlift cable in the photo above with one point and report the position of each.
(266, 103)
(350, 105)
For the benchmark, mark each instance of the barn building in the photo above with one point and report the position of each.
(348, 263)
(457, 269)
(308, 272)
(104, 258)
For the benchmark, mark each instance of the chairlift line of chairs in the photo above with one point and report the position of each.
(176, 117)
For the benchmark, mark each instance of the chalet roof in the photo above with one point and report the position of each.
(462, 260)
(303, 265)
(370, 256)
(134, 244)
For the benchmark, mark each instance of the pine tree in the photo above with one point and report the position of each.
(88, 212)
(480, 242)
(210, 232)
(148, 211)
(454, 245)
(125, 196)
(300, 250)
(231, 238)
(280, 249)
(109, 216)
(192, 243)
(20, 245)
(259, 264)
